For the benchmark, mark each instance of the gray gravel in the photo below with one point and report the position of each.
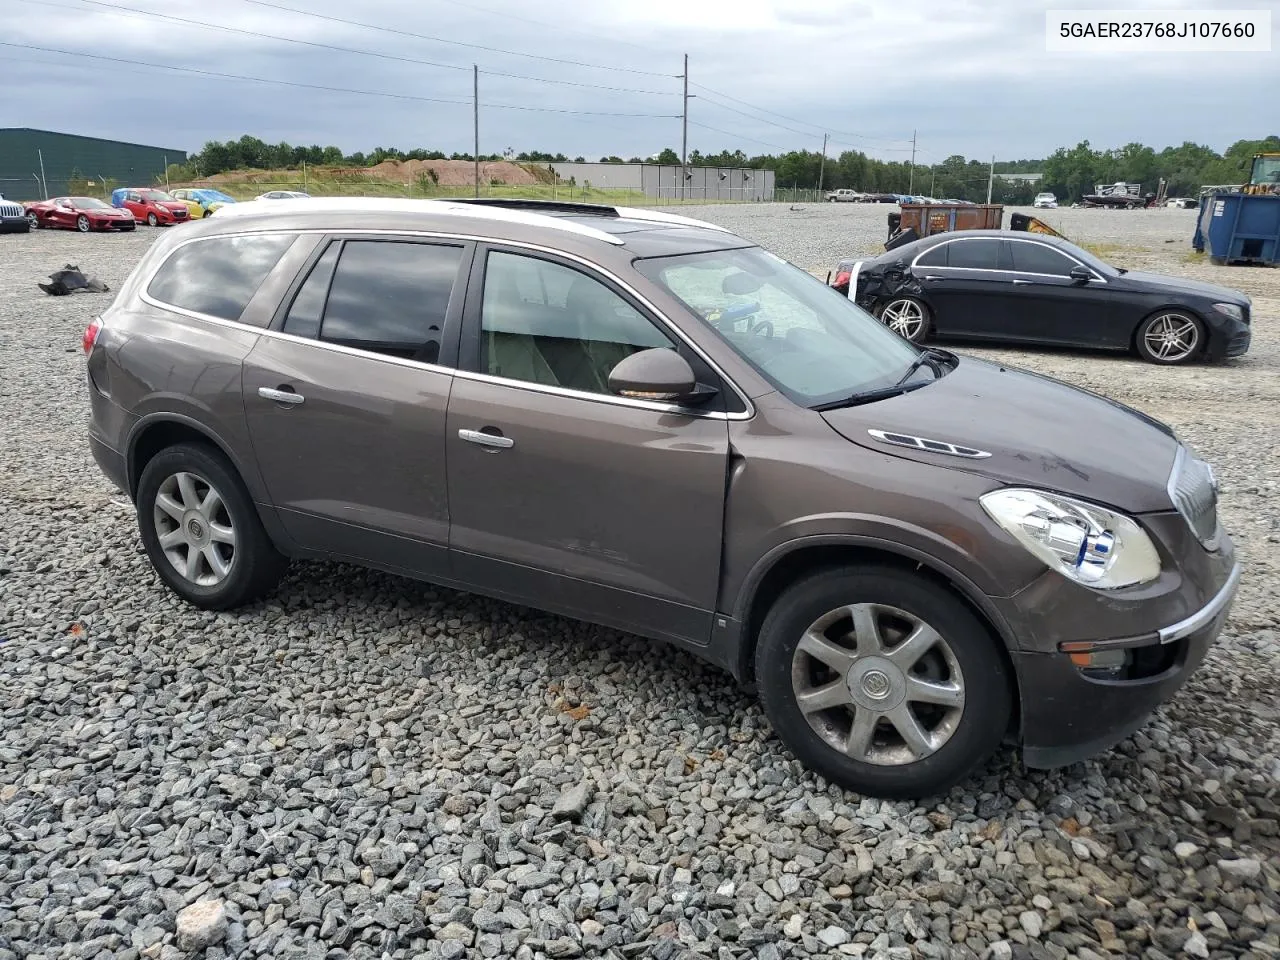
(368, 767)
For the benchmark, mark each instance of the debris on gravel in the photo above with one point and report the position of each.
(362, 766)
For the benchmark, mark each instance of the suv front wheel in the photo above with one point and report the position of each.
(882, 681)
(202, 531)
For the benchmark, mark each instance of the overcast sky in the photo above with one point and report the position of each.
(972, 77)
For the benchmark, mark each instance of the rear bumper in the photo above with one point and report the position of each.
(110, 461)
(1068, 716)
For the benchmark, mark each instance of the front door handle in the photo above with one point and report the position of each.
(1021, 283)
(933, 278)
(280, 396)
(495, 441)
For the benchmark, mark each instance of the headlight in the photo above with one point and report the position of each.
(1082, 541)
(1229, 310)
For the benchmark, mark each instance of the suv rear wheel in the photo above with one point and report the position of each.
(882, 681)
(202, 531)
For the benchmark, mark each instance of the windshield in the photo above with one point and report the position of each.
(156, 196)
(1266, 169)
(88, 203)
(813, 344)
(1089, 260)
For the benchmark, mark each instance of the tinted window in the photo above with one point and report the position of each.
(218, 276)
(308, 305)
(980, 253)
(1038, 258)
(390, 297)
(550, 324)
(936, 257)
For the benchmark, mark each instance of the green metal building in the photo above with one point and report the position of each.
(39, 163)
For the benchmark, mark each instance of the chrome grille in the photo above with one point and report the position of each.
(1195, 494)
(10, 209)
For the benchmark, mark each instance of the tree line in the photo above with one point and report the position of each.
(1069, 172)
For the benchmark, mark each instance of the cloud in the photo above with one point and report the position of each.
(968, 77)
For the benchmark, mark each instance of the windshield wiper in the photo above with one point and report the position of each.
(868, 396)
(930, 357)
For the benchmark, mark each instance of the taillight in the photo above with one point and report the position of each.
(842, 279)
(91, 335)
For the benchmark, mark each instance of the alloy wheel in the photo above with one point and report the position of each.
(151, 220)
(878, 684)
(194, 529)
(904, 317)
(34, 221)
(1171, 337)
(82, 223)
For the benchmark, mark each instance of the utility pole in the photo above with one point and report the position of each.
(684, 136)
(911, 176)
(933, 178)
(475, 87)
(822, 167)
(44, 184)
(991, 178)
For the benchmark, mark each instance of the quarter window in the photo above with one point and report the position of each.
(937, 257)
(1038, 258)
(980, 253)
(546, 323)
(218, 276)
(308, 306)
(386, 296)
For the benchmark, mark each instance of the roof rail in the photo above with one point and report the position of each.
(444, 207)
(596, 209)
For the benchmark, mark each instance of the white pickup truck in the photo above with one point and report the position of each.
(843, 196)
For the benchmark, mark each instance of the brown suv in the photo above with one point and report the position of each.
(647, 422)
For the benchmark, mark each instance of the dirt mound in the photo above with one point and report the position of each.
(452, 173)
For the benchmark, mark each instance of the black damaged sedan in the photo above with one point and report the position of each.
(1017, 287)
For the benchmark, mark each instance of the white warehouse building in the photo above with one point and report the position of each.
(663, 181)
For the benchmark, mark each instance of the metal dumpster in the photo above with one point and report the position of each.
(927, 219)
(1239, 228)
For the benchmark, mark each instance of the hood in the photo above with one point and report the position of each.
(172, 204)
(1181, 285)
(1038, 432)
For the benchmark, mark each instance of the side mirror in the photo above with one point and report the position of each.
(656, 374)
(1081, 274)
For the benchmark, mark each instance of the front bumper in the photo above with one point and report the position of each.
(113, 224)
(1068, 716)
(14, 224)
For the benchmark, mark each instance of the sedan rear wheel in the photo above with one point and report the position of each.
(907, 317)
(882, 681)
(82, 223)
(1170, 337)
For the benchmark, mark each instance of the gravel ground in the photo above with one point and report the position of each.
(369, 767)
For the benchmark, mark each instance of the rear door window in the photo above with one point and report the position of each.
(937, 257)
(1031, 257)
(980, 253)
(219, 276)
(384, 296)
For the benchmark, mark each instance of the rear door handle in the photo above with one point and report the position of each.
(280, 396)
(495, 441)
(1021, 283)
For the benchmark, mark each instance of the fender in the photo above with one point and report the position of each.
(734, 632)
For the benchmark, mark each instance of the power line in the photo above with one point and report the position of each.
(783, 116)
(123, 10)
(707, 126)
(458, 43)
(314, 86)
(506, 15)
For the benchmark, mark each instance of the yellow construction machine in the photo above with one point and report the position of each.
(1264, 178)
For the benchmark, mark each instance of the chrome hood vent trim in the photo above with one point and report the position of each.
(928, 446)
(1194, 491)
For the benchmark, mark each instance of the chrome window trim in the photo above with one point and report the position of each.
(1023, 273)
(655, 406)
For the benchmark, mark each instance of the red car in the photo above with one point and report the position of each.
(78, 213)
(150, 205)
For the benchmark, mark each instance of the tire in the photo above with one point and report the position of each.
(252, 565)
(1170, 337)
(957, 739)
(906, 316)
(33, 221)
(82, 223)
(207, 213)
(152, 220)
